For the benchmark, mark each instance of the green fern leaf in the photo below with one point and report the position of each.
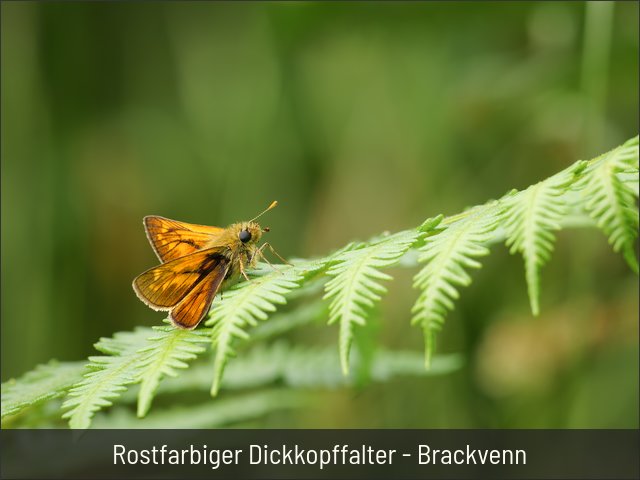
(45, 382)
(531, 217)
(355, 285)
(610, 201)
(221, 413)
(605, 188)
(246, 303)
(306, 366)
(108, 376)
(167, 351)
(317, 367)
(447, 254)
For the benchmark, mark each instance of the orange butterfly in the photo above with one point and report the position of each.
(197, 261)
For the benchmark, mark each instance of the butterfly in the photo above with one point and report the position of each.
(197, 262)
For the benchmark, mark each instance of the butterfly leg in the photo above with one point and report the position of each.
(244, 274)
(262, 255)
(258, 253)
(267, 244)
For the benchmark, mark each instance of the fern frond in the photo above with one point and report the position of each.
(610, 201)
(355, 285)
(108, 376)
(166, 352)
(307, 367)
(603, 190)
(221, 413)
(45, 382)
(246, 303)
(447, 254)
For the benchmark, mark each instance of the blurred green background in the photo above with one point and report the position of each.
(358, 118)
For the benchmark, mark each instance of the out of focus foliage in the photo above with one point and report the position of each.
(358, 118)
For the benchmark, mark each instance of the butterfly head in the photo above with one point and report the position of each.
(249, 232)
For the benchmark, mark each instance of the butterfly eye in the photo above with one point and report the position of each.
(244, 236)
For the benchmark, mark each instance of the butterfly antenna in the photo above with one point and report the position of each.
(273, 205)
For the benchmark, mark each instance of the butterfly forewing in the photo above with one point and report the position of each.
(195, 305)
(172, 239)
(164, 286)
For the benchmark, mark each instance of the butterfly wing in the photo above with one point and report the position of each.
(172, 239)
(165, 286)
(195, 305)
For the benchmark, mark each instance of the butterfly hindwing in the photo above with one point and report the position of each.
(195, 305)
(172, 239)
(165, 286)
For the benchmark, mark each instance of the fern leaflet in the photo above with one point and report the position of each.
(531, 217)
(166, 352)
(355, 287)
(611, 202)
(45, 382)
(447, 254)
(108, 376)
(246, 303)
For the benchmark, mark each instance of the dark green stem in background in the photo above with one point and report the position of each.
(595, 70)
